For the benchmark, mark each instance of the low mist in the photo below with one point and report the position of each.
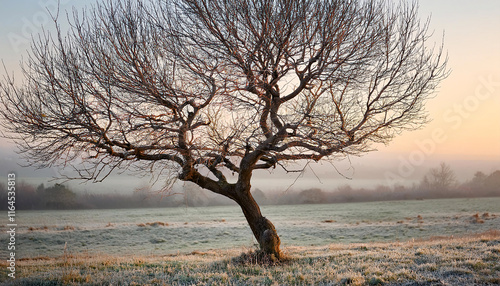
(438, 182)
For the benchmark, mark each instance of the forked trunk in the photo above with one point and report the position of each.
(263, 230)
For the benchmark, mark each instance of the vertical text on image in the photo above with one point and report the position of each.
(11, 225)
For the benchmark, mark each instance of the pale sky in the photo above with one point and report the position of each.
(465, 112)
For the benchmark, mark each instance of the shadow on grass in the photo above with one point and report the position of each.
(257, 257)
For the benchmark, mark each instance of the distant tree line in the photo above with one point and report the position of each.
(60, 197)
(28, 197)
(438, 183)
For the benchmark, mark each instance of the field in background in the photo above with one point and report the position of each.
(162, 231)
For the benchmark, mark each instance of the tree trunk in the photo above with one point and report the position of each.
(263, 230)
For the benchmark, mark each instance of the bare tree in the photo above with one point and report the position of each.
(440, 179)
(209, 91)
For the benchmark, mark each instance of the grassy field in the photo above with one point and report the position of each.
(471, 260)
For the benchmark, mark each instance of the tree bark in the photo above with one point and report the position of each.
(263, 230)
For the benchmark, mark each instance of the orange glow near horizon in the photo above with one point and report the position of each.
(465, 122)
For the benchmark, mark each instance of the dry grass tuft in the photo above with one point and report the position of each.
(477, 219)
(257, 257)
(31, 228)
(153, 224)
(68, 227)
(37, 258)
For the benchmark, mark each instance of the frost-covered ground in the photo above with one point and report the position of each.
(181, 230)
(471, 260)
(357, 244)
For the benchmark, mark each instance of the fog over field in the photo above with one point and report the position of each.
(368, 171)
